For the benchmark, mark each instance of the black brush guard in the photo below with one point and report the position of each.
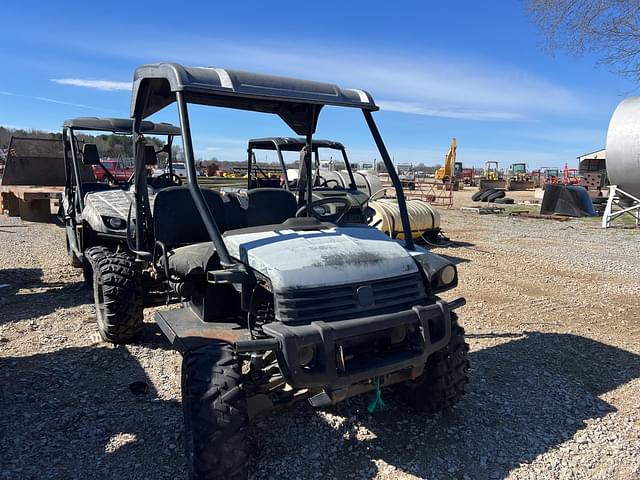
(326, 339)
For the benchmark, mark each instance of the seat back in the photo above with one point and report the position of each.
(92, 187)
(236, 216)
(269, 206)
(176, 220)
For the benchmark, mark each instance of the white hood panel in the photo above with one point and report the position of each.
(308, 259)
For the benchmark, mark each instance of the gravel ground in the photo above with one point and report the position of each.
(552, 321)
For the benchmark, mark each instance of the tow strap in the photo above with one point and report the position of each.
(377, 403)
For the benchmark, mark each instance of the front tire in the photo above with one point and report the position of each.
(446, 374)
(92, 256)
(215, 414)
(117, 291)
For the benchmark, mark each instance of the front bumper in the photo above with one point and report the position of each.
(432, 330)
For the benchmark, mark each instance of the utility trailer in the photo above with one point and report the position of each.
(33, 177)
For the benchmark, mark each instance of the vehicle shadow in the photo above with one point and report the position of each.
(454, 260)
(526, 397)
(73, 414)
(27, 296)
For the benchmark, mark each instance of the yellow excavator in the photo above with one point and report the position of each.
(447, 172)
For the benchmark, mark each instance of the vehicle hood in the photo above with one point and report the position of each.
(333, 256)
(112, 203)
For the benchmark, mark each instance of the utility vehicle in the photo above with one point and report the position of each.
(330, 179)
(95, 212)
(281, 305)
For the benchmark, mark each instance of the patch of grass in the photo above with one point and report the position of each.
(625, 220)
(508, 209)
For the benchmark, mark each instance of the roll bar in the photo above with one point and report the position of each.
(182, 98)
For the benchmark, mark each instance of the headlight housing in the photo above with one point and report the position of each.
(114, 223)
(441, 274)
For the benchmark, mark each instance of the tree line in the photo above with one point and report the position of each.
(109, 145)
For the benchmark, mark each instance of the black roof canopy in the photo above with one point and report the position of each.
(297, 102)
(119, 126)
(291, 144)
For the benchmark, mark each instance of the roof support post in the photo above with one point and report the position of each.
(395, 180)
(141, 194)
(70, 144)
(249, 166)
(282, 165)
(347, 165)
(196, 193)
(307, 158)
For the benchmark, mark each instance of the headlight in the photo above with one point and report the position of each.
(447, 275)
(115, 223)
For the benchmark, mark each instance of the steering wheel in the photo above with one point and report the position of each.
(325, 183)
(332, 217)
(167, 179)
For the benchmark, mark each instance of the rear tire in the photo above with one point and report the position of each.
(215, 414)
(443, 381)
(117, 291)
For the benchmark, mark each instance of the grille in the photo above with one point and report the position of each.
(343, 302)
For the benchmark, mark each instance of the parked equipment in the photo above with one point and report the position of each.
(424, 218)
(519, 178)
(551, 175)
(327, 182)
(491, 177)
(97, 214)
(282, 300)
(446, 173)
(33, 176)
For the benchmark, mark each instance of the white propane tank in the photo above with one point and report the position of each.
(366, 182)
(422, 217)
(623, 146)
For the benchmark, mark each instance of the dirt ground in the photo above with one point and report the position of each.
(552, 319)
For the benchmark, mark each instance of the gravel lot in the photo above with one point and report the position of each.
(552, 320)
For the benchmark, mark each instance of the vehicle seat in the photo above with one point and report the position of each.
(178, 227)
(235, 214)
(92, 187)
(268, 206)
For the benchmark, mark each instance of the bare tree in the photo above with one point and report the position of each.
(609, 28)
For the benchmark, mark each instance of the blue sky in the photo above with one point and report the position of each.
(469, 69)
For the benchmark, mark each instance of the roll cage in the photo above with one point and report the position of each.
(120, 126)
(286, 144)
(297, 102)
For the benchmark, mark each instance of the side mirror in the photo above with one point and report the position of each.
(90, 154)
